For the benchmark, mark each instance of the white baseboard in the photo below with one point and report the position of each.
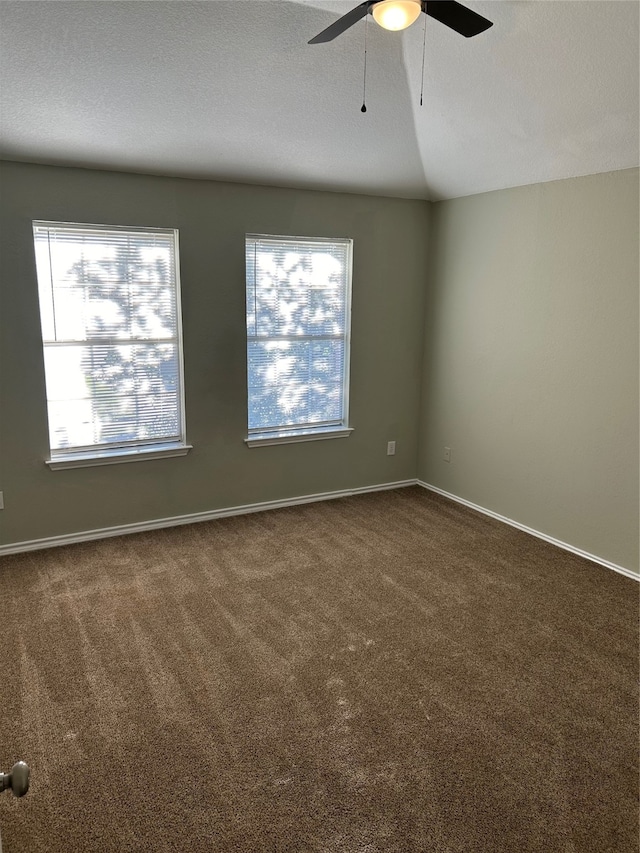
(175, 521)
(155, 524)
(564, 545)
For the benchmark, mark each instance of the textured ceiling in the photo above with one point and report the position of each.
(230, 89)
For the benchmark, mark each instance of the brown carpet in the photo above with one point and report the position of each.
(384, 673)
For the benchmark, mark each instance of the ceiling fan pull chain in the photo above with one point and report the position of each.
(424, 45)
(363, 108)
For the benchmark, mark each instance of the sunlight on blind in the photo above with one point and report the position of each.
(110, 328)
(297, 332)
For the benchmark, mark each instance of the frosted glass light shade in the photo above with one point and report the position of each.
(396, 14)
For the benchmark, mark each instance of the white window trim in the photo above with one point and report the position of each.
(85, 458)
(115, 457)
(316, 435)
(295, 434)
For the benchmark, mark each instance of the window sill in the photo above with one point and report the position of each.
(291, 438)
(115, 457)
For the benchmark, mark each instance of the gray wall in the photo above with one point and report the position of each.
(531, 358)
(530, 369)
(386, 358)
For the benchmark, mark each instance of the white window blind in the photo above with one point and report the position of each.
(298, 323)
(110, 316)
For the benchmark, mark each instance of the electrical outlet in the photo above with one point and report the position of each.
(447, 454)
(391, 448)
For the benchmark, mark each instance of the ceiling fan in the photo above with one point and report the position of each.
(400, 14)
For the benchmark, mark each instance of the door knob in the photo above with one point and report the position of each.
(17, 779)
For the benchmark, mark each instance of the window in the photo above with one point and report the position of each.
(298, 320)
(111, 333)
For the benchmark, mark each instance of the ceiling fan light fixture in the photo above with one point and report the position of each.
(396, 14)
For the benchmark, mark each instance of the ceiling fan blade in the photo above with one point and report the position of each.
(457, 16)
(343, 23)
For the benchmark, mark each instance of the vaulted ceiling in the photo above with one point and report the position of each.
(230, 89)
